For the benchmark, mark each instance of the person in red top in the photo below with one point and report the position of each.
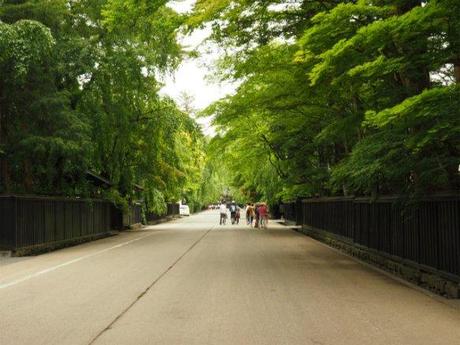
(263, 215)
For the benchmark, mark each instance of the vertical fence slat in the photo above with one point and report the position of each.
(7, 222)
(427, 232)
(28, 221)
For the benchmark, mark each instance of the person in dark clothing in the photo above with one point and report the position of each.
(256, 210)
(233, 209)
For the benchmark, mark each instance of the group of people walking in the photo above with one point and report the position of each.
(256, 214)
(234, 213)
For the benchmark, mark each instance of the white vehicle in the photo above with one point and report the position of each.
(184, 210)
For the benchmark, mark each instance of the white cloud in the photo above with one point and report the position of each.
(182, 6)
(190, 78)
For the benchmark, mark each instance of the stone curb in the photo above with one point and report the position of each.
(412, 272)
(48, 247)
(163, 220)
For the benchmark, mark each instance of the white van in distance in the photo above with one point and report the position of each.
(184, 210)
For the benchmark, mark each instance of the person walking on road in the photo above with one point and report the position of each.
(250, 214)
(257, 215)
(223, 213)
(237, 215)
(233, 208)
(263, 216)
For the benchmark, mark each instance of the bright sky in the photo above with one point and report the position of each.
(190, 77)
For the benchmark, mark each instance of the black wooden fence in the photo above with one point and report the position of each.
(121, 219)
(291, 212)
(30, 221)
(426, 232)
(135, 214)
(171, 210)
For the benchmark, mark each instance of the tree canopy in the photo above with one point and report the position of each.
(337, 97)
(79, 92)
(358, 97)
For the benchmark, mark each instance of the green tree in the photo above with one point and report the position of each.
(79, 92)
(340, 97)
(42, 139)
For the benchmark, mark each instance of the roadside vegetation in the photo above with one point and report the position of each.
(334, 98)
(79, 92)
(337, 97)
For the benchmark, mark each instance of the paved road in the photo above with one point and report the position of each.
(192, 282)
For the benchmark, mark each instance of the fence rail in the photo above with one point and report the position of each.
(427, 232)
(171, 210)
(28, 221)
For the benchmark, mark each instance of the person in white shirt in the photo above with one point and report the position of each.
(223, 213)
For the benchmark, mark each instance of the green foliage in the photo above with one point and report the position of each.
(135, 21)
(337, 97)
(79, 92)
(42, 138)
(418, 138)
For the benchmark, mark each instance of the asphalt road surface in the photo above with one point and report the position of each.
(194, 282)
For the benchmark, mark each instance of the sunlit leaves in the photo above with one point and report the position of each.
(359, 107)
(24, 44)
(147, 26)
(79, 91)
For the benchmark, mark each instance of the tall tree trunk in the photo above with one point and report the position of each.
(457, 71)
(404, 6)
(28, 178)
(5, 175)
(4, 167)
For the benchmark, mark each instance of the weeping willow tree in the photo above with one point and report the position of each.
(80, 92)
